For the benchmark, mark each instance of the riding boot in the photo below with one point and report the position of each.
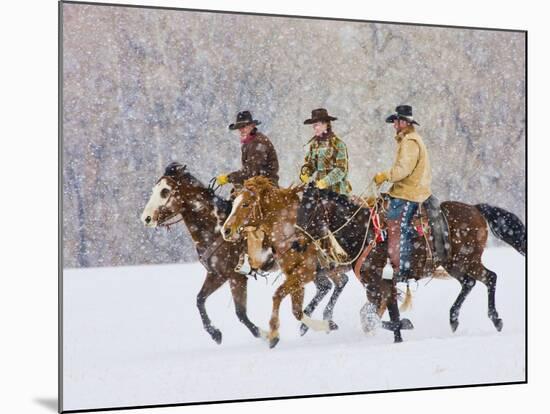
(394, 230)
(405, 242)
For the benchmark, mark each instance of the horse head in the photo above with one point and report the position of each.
(247, 208)
(174, 195)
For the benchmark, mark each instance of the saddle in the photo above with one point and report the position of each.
(439, 228)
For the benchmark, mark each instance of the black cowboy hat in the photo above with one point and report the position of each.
(244, 118)
(319, 115)
(402, 112)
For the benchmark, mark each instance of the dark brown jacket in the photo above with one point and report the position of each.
(258, 157)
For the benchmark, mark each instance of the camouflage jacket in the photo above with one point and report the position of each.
(327, 158)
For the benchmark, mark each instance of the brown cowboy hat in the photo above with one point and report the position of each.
(244, 118)
(402, 112)
(319, 115)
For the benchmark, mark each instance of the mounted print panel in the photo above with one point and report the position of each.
(260, 206)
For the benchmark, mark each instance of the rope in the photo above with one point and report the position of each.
(362, 205)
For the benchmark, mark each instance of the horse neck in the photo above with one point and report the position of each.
(274, 202)
(350, 240)
(198, 213)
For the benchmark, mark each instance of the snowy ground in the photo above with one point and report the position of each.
(133, 336)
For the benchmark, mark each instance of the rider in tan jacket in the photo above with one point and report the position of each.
(411, 179)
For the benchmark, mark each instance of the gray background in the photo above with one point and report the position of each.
(144, 87)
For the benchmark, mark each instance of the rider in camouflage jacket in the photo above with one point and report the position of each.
(327, 156)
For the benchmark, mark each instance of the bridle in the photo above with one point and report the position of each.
(173, 191)
(256, 213)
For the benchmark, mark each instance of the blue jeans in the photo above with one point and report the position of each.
(404, 210)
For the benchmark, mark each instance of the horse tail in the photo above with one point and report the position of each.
(506, 226)
(407, 302)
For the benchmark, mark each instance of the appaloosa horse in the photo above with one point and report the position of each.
(322, 213)
(261, 205)
(178, 196)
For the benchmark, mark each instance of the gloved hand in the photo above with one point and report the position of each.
(321, 184)
(222, 179)
(304, 178)
(371, 201)
(380, 177)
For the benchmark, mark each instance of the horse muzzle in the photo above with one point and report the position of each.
(149, 220)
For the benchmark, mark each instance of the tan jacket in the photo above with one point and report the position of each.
(411, 173)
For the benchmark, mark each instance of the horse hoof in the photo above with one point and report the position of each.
(498, 324)
(332, 326)
(216, 336)
(303, 329)
(454, 325)
(406, 324)
(397, 340)
(273, 342)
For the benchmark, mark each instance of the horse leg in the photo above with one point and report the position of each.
(393, 310)
(323, 285)
(209, 286)
(467, 283)
(239, 293)
(340, 280)
(489, 278)
(278, 297)
(372, 311)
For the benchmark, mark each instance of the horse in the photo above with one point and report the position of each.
(178, 196)
(322, 213)
(261, 205)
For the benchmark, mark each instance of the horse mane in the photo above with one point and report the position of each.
(263, 186)
(259, 184)
(328, 195)
(178, 171)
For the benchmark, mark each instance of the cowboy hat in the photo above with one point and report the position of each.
(244, 118)
(319, 115)
(402, 112)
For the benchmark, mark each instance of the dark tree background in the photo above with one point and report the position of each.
(145, 87)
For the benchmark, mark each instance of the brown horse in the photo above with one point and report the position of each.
(322, 212)
(261, 205)
(178, 196)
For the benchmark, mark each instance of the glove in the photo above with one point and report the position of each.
(304, 178)
(380, 177)
(222, 179)
(321, 184)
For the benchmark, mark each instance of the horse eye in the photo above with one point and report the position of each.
(245, 205)
(164, 193)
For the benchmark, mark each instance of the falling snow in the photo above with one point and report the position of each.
(142, 88)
